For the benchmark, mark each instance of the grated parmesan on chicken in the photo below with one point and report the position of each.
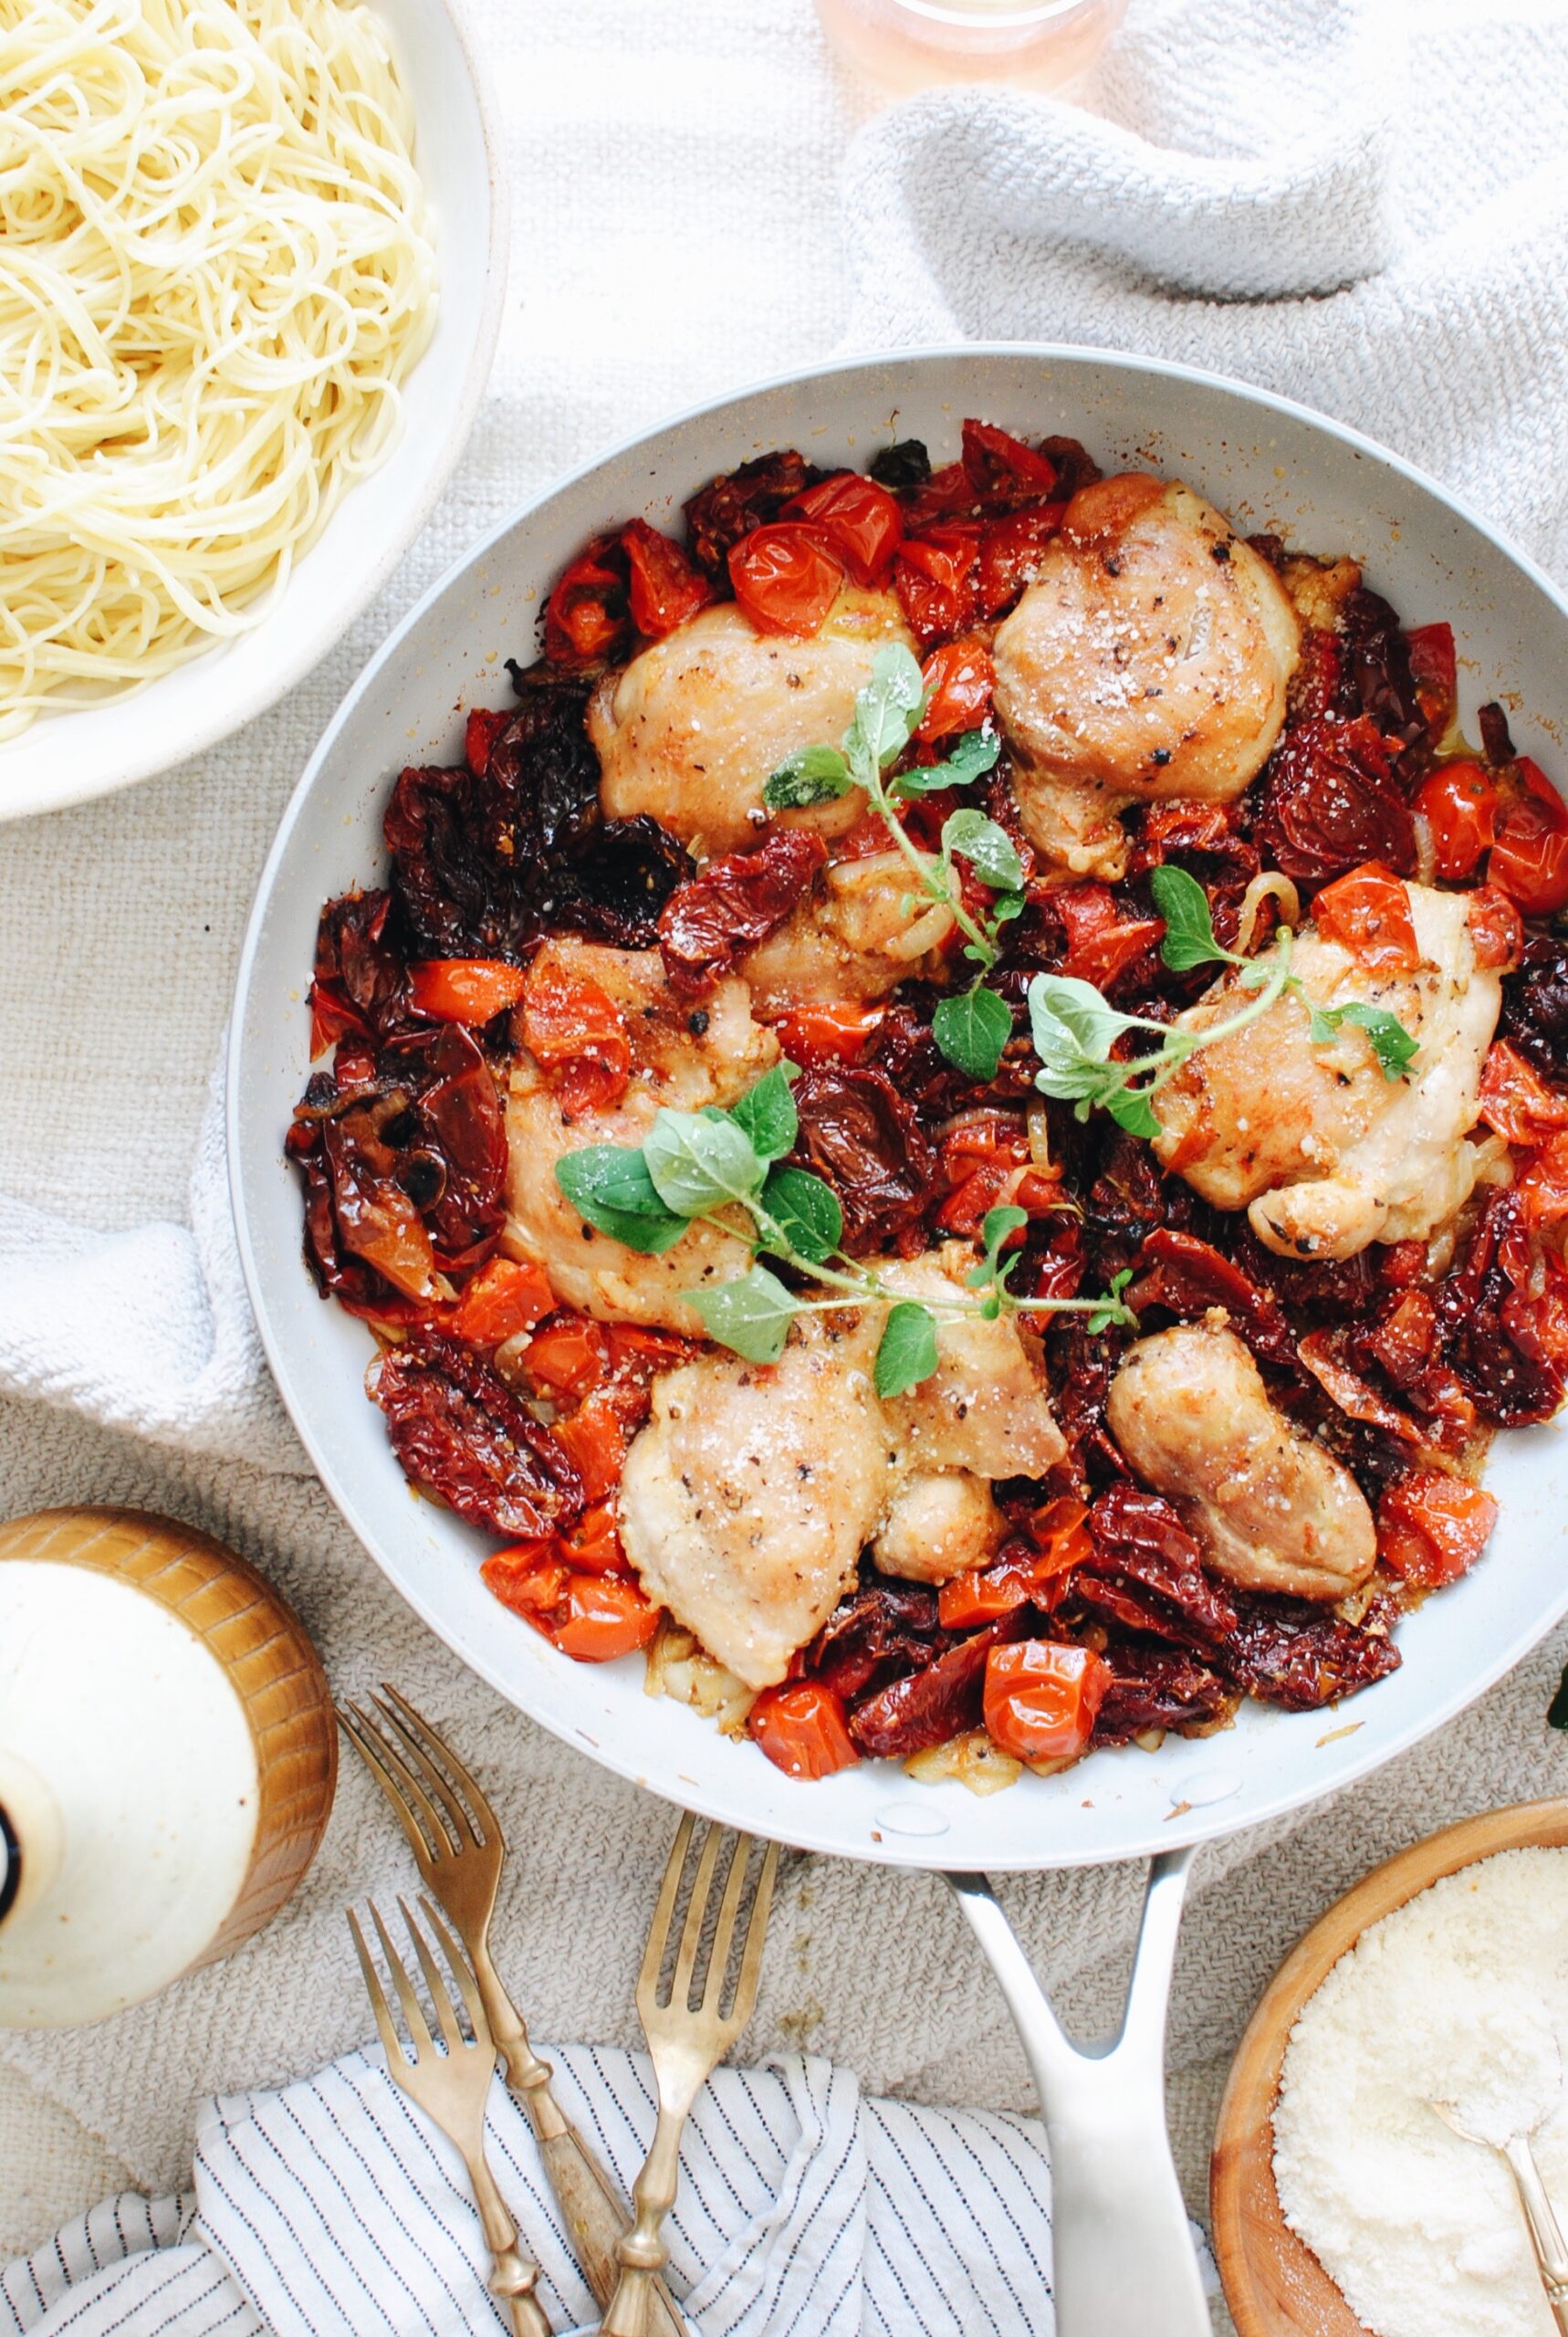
(1460, 1995)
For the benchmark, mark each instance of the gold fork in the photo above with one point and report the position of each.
(686, 2043)
(452, 2089)
(458, 1847)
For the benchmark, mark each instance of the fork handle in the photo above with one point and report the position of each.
(512, 2274)
(643, 2251)
(596, 2215)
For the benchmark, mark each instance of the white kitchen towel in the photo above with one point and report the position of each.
(333, 2209)
(680, 233)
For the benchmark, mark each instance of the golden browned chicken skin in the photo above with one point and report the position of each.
(1148, 658)
(860, 931)
(690, 731)
(1322, 1150)
(1270, 1508)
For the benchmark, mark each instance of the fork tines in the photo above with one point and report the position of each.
(705, 1972)
(421, 1773)
(440, 1990)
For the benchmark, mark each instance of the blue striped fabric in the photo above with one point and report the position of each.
(331, 2209)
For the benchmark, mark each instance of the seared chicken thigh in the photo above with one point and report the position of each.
(1148, 658)
(691, 729)
(671, 1063)
(1323, 1152)
(748, 1498)
(1272, 1509)
(856, 936)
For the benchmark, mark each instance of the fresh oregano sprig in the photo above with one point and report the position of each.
(728, 1170)
(1075, 1027)
(974, 1025)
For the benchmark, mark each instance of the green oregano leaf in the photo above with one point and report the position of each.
(699, 1164)
(806, 1211)
(1189, 929)
(906, 1352)
(989, 849)
(609, 1184)
(887, 709)
(811, 775)
(972, 1029)
(767, 1114)
(750, 1316)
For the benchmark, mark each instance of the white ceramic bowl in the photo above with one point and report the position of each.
(84, 751)
(1269, 464)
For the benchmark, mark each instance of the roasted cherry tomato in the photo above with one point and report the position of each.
(480, 732)
(1529, 861)
(594, 1438)
(592, 1617)
(504, 1298)
(810, 1035)
(1003, 471)
(936, 579)
(1368, 913)
(1515, 1101)
(1009, 554)
(1495, 928)
(1101, 941)
(569, 1356)
(665, 587)
(577, 1035)
(1434, 669)
(786, 577)
(593, 1544)
(588, 619)
(860, 520)
(983, 1593)
(1041, 1697)
(959, 679)
(1432, 1528)
(1459, 805)
(1060, 1532)
(800, 1727)
(465, 989)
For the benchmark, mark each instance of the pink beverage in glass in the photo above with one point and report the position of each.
(909, 45)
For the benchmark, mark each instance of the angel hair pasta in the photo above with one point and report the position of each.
(217, 267)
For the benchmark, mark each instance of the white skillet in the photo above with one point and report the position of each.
(1269, 463)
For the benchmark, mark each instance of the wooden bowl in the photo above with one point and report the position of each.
(1274, 2285)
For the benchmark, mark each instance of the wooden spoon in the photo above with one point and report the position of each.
(1274, 2285)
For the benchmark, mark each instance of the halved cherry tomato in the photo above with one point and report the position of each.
(959, 679)
(1432, 1528)
(1100, 942)
(936, 577)
(1516, 1102)
(354, 1065)
(504, 1298)
(860, 520)
(465, 989)
(946, 493)
(588, 620)
(982, 1593)
(1459, 805)
(592, 1617)
(569, 1356)
(576, 1034)
(1061, 1533)
(1495, 930)
(810, 1035)
(1368, 913)
(666, 589)
(593, 1544)
(1529, 861)
(1434, 669)
(1009, 554)
(1041, 1697)
(594, 1438)
(786, 577)
(800, 1727)
(484, 727)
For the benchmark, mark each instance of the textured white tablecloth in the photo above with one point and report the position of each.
(676, 173)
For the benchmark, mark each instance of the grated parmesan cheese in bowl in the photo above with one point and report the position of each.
(1459, 1995)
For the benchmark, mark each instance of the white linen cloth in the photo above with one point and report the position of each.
(334, 2209)
(677, 222)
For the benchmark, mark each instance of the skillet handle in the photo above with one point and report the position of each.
(1122, 2246)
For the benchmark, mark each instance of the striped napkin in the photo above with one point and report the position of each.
(332, 2209)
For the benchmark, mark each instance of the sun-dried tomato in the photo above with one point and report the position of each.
(1330, 803)
(1179, 1271)
(1002, 471)
(375, 1217)
(1316, 686)
(862, 1136)
(1535, 1004)
(361, 980)
(459, 1142)
(1378, 670)
(1155, 1689)
(707, 926)
(1146, 1570)
(928, 1706)
(1102, 942)
(665, 589)
(879, 1630)
(1434, 670)
(461, 1434)
(736, 501)
(943, 493)
(1289, 1655)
